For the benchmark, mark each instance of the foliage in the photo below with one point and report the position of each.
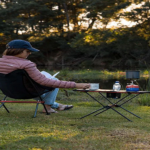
(144, 100)
(47, 24)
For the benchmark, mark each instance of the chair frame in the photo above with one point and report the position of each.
(40, 101)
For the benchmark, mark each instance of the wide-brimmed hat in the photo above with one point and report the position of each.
(21, 44)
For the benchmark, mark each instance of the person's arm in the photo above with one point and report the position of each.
(38, 77)
(82, 85)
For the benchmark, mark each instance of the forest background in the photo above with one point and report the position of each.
(85, 33)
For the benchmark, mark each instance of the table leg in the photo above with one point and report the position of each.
(126, 102)
(95, 99)
(130, 112)
(113, 105)
(92, 113)
(106, 107)
(95, 110)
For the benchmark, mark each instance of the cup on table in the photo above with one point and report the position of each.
(94, 86)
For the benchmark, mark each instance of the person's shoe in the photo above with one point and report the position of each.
(50, 111)
(64, 107)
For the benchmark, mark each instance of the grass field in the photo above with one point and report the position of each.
(65, 131)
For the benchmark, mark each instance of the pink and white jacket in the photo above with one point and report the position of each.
(11, 63)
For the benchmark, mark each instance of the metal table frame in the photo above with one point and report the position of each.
(118, 102)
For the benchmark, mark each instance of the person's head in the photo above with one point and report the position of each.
(19, 48)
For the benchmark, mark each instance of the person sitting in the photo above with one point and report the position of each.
(15, 57)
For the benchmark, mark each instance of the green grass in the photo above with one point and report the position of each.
(65, 131)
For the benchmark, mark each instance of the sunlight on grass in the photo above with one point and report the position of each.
(61, 134)
(144, 108)
(36, 148)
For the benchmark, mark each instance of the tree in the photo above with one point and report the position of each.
(47, 24)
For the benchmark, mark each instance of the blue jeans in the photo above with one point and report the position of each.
(50, 97)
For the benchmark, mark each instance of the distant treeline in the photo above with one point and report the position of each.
(76, 33)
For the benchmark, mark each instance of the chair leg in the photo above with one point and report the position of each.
(4, 105)
(44, 106)
(36, 110)
(46, 109)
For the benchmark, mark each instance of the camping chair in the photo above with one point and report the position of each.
(18, 85)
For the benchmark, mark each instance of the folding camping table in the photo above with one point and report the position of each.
(118, 103)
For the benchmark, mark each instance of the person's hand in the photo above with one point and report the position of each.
(82, 85)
